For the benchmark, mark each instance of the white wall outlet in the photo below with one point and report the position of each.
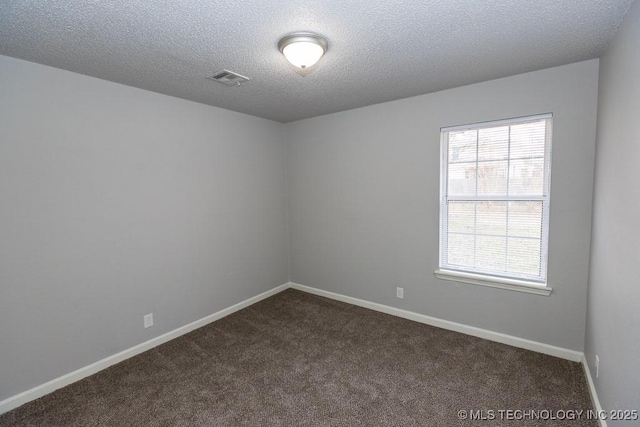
(597, 365)
(148, 320)
(400, 293)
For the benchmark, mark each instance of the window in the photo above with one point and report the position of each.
(494, 208)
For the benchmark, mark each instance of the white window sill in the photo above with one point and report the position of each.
(493, 282)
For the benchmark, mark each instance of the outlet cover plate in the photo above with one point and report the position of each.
(148, 320)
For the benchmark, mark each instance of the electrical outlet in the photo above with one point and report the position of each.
(400, 293)
(597, 365)
(148, 320)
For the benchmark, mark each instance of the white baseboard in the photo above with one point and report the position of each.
(592, 390)
(48, 387)
(563, 353)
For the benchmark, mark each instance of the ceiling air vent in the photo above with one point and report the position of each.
(229, 78)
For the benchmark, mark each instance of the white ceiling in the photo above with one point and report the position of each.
(379, 50)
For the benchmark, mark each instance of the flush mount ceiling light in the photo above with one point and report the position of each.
(303, 49)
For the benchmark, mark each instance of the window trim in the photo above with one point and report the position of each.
(493, 282)
(514, 283)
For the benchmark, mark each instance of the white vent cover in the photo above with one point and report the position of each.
(228, 77)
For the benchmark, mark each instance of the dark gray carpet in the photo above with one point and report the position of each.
(300, 360)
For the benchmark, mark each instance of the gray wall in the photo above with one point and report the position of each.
(116, 202)
(613, 315)
(364, 191)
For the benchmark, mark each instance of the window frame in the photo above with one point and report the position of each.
(514, 282)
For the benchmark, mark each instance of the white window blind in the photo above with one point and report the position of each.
(495, 181)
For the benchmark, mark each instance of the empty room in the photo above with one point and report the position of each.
(319, 213)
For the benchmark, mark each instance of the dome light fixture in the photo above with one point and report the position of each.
(303, 49)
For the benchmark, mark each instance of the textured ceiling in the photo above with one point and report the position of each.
(379, 50)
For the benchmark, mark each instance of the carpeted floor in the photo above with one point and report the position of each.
(300, 360)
